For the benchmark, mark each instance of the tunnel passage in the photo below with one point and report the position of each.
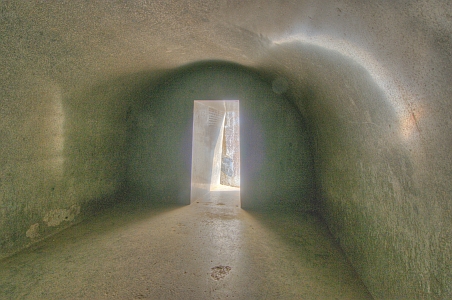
(371, 80)
(277, 165)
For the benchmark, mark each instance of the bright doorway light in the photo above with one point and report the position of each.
(215, 147)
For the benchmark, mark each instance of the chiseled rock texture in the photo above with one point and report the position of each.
(365, 85)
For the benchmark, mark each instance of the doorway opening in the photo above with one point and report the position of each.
(215, 149)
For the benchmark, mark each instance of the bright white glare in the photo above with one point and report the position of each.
(379, 74)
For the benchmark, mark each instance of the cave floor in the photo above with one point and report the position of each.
(208, 250)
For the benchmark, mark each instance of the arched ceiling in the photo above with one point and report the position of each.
(373, 79)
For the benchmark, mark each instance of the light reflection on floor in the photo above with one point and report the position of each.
(207, 250)
(222, 195)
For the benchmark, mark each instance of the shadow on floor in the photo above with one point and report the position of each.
(201, 251)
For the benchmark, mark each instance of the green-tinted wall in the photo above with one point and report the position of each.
(276, 163)
(83, 82)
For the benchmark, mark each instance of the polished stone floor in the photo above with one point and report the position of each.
(211, 249)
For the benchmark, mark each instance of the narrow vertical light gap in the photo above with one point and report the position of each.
(230, 159)
(215, 147)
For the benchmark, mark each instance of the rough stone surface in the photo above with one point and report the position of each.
(56, 216)
(199, 251)
(33, 231)
(372, 80)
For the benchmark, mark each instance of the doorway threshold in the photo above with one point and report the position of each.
(221, 195)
